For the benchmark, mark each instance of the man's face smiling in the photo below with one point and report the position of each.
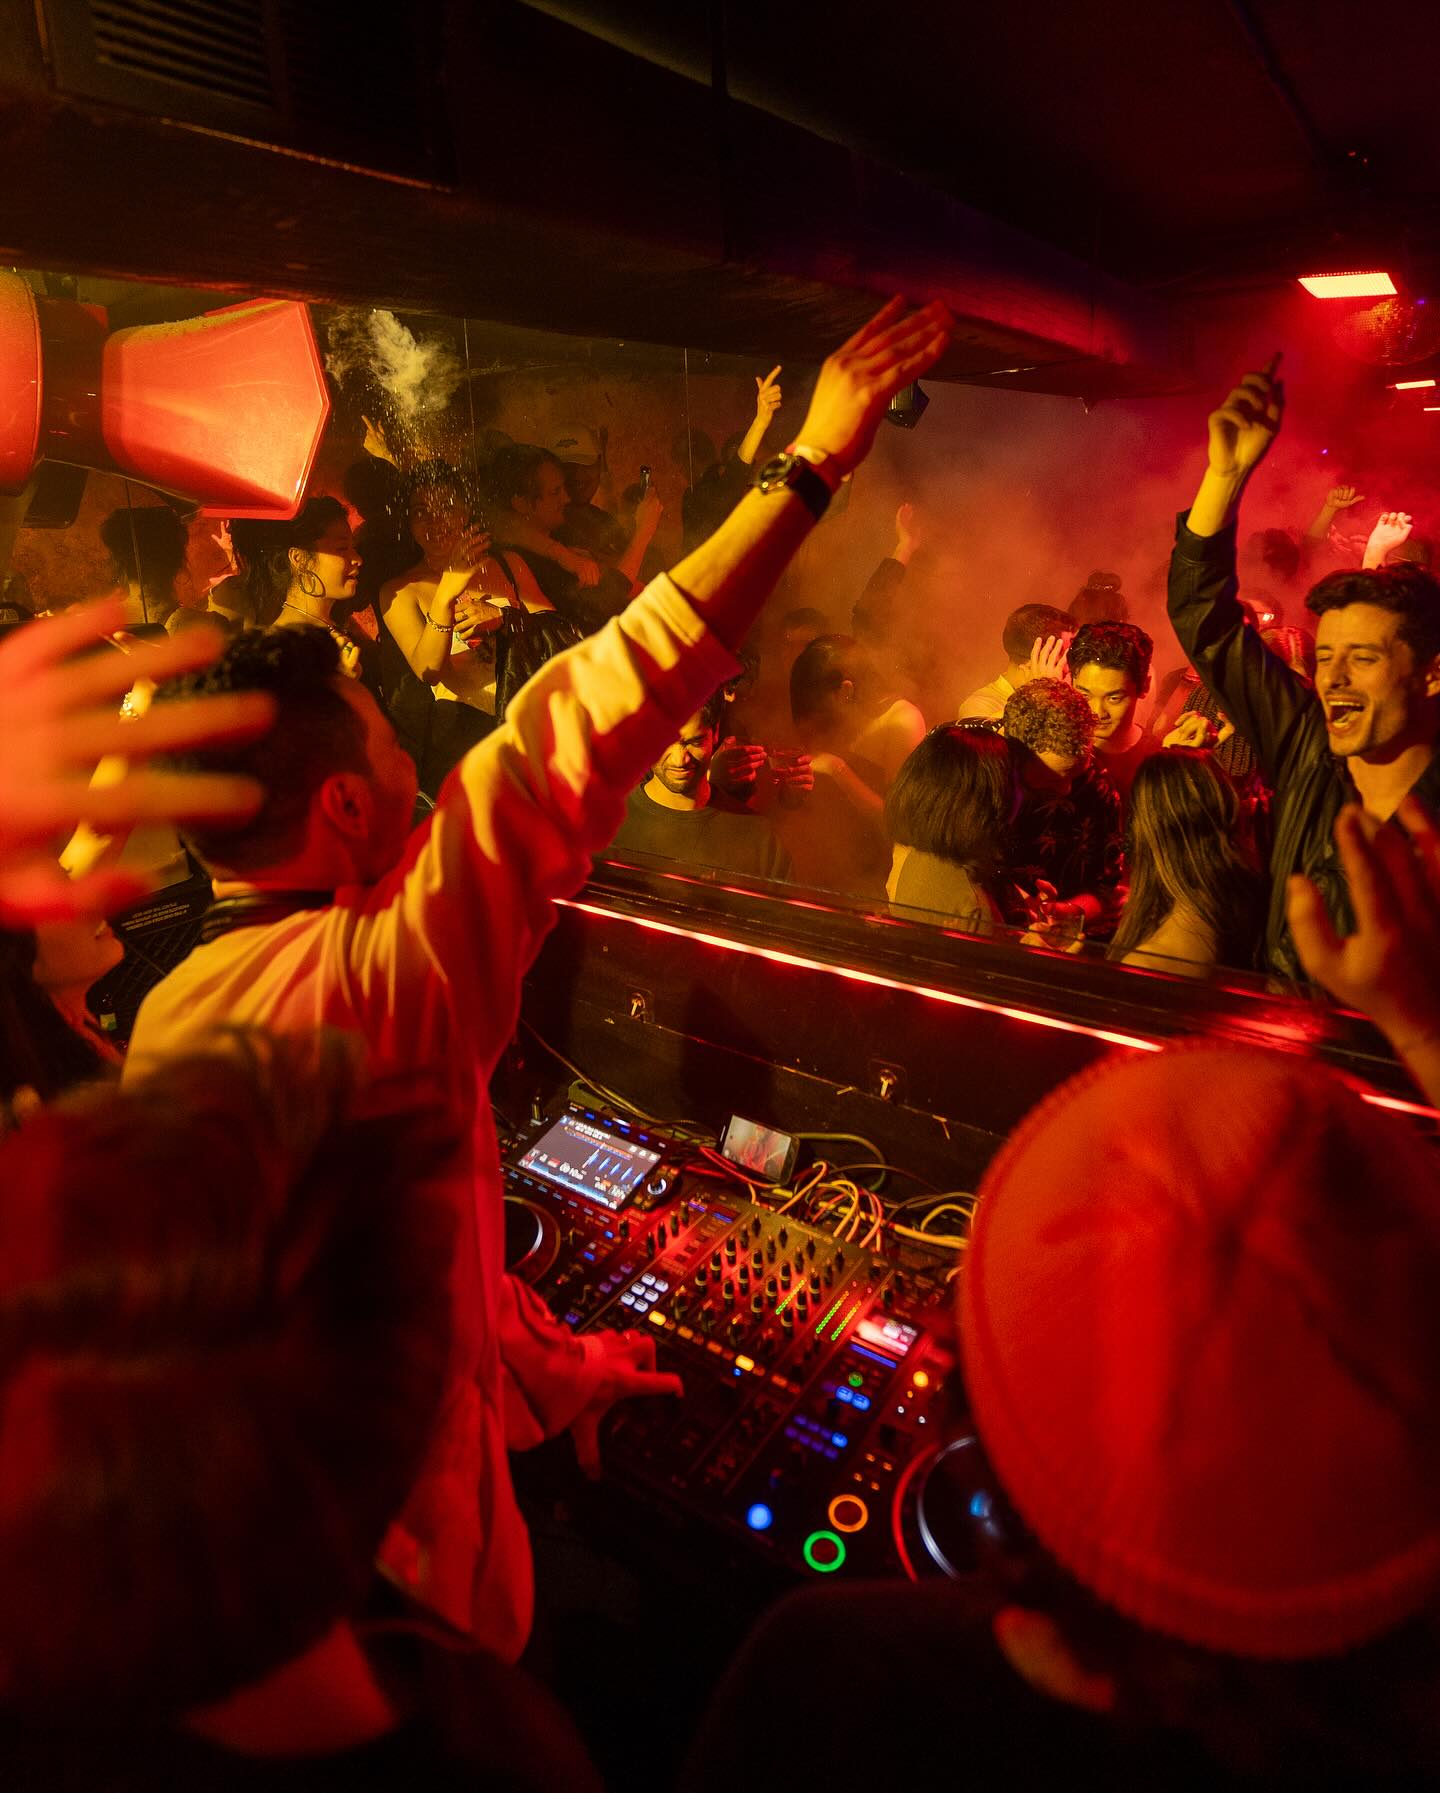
(1373, 692)
(1112, 696)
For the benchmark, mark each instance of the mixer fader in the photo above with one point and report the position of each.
(815, 1371)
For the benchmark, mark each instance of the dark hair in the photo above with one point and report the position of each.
(1100, 600)
(223, 1341)
(39, 1049)
(1032, 623)
(1407, 591)
(1048, 716)
(1186, 845)
(515, 472)
(315, 735)
(147, 544)
(820, 669)
(375, 487)
(1121, 647)
(712, 711)
(1279, 550)
(267, 572)
(954, 796)
(440, 476)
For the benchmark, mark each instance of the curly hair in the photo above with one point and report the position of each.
(1049, 716)
(315, 735)
(1122, 647)
(223, 1345)
(1406, 591)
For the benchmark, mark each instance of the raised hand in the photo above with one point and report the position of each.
(1242, 429)
(907, 533)
(1389, 968)
(62, 717)
(736, 766)
(1048, 658)
(1340, 498)
(858, 381)
(1392, 528)
(768, 396)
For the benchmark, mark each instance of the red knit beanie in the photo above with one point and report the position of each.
(1200, 1315)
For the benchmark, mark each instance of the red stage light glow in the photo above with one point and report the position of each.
(1370, 285)
(1131, 1041)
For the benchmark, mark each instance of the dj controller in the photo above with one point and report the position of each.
(817, 1374)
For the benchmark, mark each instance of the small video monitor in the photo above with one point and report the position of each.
(587, 1160)
(763, 1152)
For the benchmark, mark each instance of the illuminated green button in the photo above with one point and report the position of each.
(857, 1382)
(824, 1552)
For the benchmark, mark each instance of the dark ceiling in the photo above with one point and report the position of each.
(1190, 142)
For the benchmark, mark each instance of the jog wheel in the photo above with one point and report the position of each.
(943, 1512)
(531, 1239)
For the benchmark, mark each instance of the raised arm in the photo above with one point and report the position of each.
(519, 820)
(1337, 499)
(768, 399)
(1256, 689)
(425, 636)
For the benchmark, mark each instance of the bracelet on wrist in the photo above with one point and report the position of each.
(439, 628)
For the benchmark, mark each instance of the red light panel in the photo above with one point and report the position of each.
(1132, 1041)
(1371, 285)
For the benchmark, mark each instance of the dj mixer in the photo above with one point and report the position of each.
(817, 1374)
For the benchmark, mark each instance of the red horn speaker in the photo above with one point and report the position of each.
(226, 410)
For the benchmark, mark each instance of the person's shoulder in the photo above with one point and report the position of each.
(983, 704)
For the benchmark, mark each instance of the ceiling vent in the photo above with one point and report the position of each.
(315, 76)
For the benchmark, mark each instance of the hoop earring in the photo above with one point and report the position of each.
(316, 587)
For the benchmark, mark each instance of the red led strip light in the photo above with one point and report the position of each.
(927, 990)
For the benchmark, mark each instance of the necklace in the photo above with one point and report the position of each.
(349, 649)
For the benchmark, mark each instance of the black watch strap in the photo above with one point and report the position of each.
(793, 473)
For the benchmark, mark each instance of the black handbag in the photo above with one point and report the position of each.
(526, 640)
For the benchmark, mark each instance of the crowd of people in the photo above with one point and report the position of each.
(263, 1369)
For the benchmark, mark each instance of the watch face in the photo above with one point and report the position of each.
(777, 471)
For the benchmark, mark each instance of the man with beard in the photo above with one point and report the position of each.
(678, 814)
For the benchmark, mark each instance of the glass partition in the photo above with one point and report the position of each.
(569, 472)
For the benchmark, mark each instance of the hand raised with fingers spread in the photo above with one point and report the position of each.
(1242, 429)
(858, 381)
(1048, 658)
(628, 1368)
(1389, 968)
(62, 717)
(768, 396)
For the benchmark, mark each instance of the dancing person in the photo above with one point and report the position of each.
(1197, 895)
(1110, 667)
(331, 911)
(1036, 638)
(1369, 728)
(678, 814)
(1067, 844)
(947, 815)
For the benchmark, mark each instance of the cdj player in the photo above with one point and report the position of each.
(816, 1370)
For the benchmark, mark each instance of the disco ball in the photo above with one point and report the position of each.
(1394, 333)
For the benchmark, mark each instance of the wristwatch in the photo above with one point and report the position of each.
(794, 472)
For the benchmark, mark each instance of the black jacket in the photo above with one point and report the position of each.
(1281, 717)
